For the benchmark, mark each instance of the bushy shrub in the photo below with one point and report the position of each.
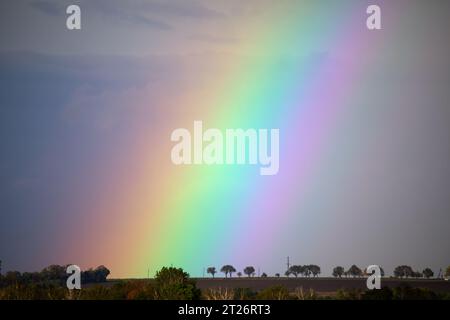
(244, 294)
(408, 293)
(174, 284)
(97, 292)
(274, 293)
(218, 294)
(349, 294)
(384, 293)
(302, 294)
(33, 292)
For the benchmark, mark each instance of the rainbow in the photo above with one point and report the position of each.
(197, 216)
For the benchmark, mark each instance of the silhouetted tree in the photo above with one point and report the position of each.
(101, 273)
(239, 274)
(212, 271)
(88, 276)
(296, 270)
(287, 273)
(264, 275)
(354, 271)
(315, 269)
(228, 270)
(96, 275)
(249, 271)
(338, 272)
(428, 273)
(277, 275)
(54, 272)
(398, 272)
(403, 271)
(306, 271)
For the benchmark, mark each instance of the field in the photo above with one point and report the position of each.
(318, 284)
(323, 285)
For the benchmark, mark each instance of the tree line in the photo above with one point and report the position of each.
(296, 270)
(402, 271)
(55, 274)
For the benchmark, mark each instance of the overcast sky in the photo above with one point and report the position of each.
(65, 106)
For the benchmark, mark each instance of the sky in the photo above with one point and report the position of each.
(86, 117)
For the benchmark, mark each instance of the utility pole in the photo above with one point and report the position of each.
(288, 264)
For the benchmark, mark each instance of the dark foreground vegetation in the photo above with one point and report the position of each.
(54, 275)
(175, 284)
(169, 284)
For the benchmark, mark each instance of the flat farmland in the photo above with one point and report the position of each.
(318, 284)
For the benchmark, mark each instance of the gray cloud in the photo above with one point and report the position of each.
(128, 13)
(118, 11)
(188, 9)
(140, 19)
(48, 7)
(147, 13)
